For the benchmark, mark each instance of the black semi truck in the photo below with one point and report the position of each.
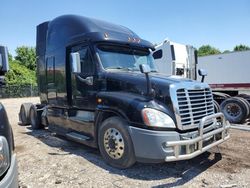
(8, 161)
(99, 86)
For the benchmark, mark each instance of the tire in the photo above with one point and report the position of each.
(246, 99)
(115, 144)
(216, 106)
(24, 115)
(35, 118)
(247, 105)
(235, 109)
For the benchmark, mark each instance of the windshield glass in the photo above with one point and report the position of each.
(124, 57)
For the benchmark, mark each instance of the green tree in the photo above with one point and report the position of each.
(10, 58)
(20, 75)
(241, 47)
(26, 56)
(207, 50)
(226, 51)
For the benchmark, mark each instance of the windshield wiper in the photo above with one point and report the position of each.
(120, 68)
(126, 68)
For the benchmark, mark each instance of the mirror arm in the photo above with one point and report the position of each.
(146, 70)
(202, 78)
(148, 84)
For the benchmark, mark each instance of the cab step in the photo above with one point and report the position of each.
(77, 137)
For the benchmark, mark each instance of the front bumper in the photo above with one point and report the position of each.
(10, 179)
(159, 146)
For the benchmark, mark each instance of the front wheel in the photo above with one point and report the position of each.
(115, 143)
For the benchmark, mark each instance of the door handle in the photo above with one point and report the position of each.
(88, 80)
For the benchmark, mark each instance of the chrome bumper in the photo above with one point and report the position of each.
(198, 143)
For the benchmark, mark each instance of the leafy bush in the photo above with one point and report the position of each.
(26, 56)
(20, 75)
(207, 50)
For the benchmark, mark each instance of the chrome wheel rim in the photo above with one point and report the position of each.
(113, 143)
(233, 109)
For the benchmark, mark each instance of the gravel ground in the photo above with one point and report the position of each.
(46, 160)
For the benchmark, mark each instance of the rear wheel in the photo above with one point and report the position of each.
(246, 99)
(35, 118)
(235, 109)
(115, 143)
(25, 113)
(247, 104)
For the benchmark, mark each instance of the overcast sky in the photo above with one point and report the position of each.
(220, 23)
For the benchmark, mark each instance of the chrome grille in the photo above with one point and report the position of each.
(193, 105)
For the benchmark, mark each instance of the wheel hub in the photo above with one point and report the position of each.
(114, 143)
(233, 110)
(111, 144)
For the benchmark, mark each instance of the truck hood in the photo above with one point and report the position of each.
(135, 82)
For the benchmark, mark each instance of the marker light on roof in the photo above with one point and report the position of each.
(106, 35)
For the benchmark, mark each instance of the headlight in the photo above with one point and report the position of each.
(4, 155)
(155, 118)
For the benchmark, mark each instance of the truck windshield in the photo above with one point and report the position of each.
(124, 57)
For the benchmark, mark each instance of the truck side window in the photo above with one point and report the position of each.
(157, 54)
(87, 66)
(179, 71)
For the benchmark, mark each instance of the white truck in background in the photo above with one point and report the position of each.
(227, 75)
(176, 59)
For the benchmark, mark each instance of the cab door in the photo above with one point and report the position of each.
(84, 83)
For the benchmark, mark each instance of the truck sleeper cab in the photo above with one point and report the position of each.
(93, 91)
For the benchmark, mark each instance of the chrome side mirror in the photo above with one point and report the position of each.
(202, 73)
(75, 62)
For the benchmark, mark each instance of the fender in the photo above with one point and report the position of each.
(129, 106)
(126, 105)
